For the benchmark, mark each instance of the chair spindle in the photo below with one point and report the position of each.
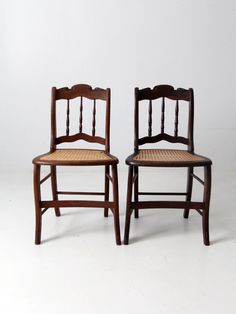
(163, 115)
(150, 118)
(68, 118)
(94, 118)
(81, 115)
(176, 117)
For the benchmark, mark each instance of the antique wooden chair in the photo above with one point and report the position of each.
(77, 157)
(167, 157)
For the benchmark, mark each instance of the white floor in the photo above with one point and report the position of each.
(79, 269)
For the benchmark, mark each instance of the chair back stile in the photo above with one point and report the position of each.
(191, 122)
(107, 123)
(164, 91)
(53, 120)
(80, 91)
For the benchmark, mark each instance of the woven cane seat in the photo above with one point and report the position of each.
(76, 157)
(166, 158)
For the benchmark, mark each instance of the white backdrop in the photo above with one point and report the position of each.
(116, 44)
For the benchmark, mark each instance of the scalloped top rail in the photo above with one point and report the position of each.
(83, 90)
(80, 136)
(167, 91)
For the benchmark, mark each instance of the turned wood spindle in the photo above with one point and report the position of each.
(81, 115)
(163, 115)
(150, 118)
(176, 117)
(94, 118)
(68, 118)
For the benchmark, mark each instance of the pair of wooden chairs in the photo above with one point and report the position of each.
(141, 157)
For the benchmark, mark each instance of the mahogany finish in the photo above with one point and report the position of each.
(177, 95)
(79, 91)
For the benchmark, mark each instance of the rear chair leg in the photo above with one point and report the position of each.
(136, 172)
(106, 198)
(189, 190)
(37, 200)
(116, 207)
(54, 188)
(206, 200)
(128, 203)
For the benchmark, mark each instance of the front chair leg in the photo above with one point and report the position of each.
(106, 197)
(136, 173)
(37, 200)
(54, 188)
(189, 190)
(128, 203)
(116, 206)
(206, 200)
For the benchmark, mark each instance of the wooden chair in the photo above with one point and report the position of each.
(77, 157)
(167, 157)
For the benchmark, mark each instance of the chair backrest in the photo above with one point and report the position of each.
(163, 92)
(80, 91)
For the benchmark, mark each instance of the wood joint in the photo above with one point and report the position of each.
(44, 211)
(109, 177)
(45, 178)
(197, 178)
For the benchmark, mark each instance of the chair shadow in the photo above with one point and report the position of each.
(168, 228)
(173, 228)
(76, 231)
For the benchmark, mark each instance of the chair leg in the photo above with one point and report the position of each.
(106, 198)
(136, 172)
(116, 207)
(206, 200)
(37, 200)
(189, 190)
(54, 188)
(128, 209)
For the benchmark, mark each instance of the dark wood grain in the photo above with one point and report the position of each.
(191, 121)
(75, 203)
(81, 91)
(163, 91)
(107, 126)
(37, 201)
(129, 208)
(79, 193)
(163, 137)
(54, 188)
(150, 119)
(163, 115)
(167, 204)
(177, 95)
(116, 204)
(106, 188)
(136, 119)
(53, 120)
(80, 136)
(176, 118)
(94, 118)
(206, 199)
(197, 178)
(162, 193)
(45, 178)
(81, 115)
(136, 190)
(189, 189)
(68, 118)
